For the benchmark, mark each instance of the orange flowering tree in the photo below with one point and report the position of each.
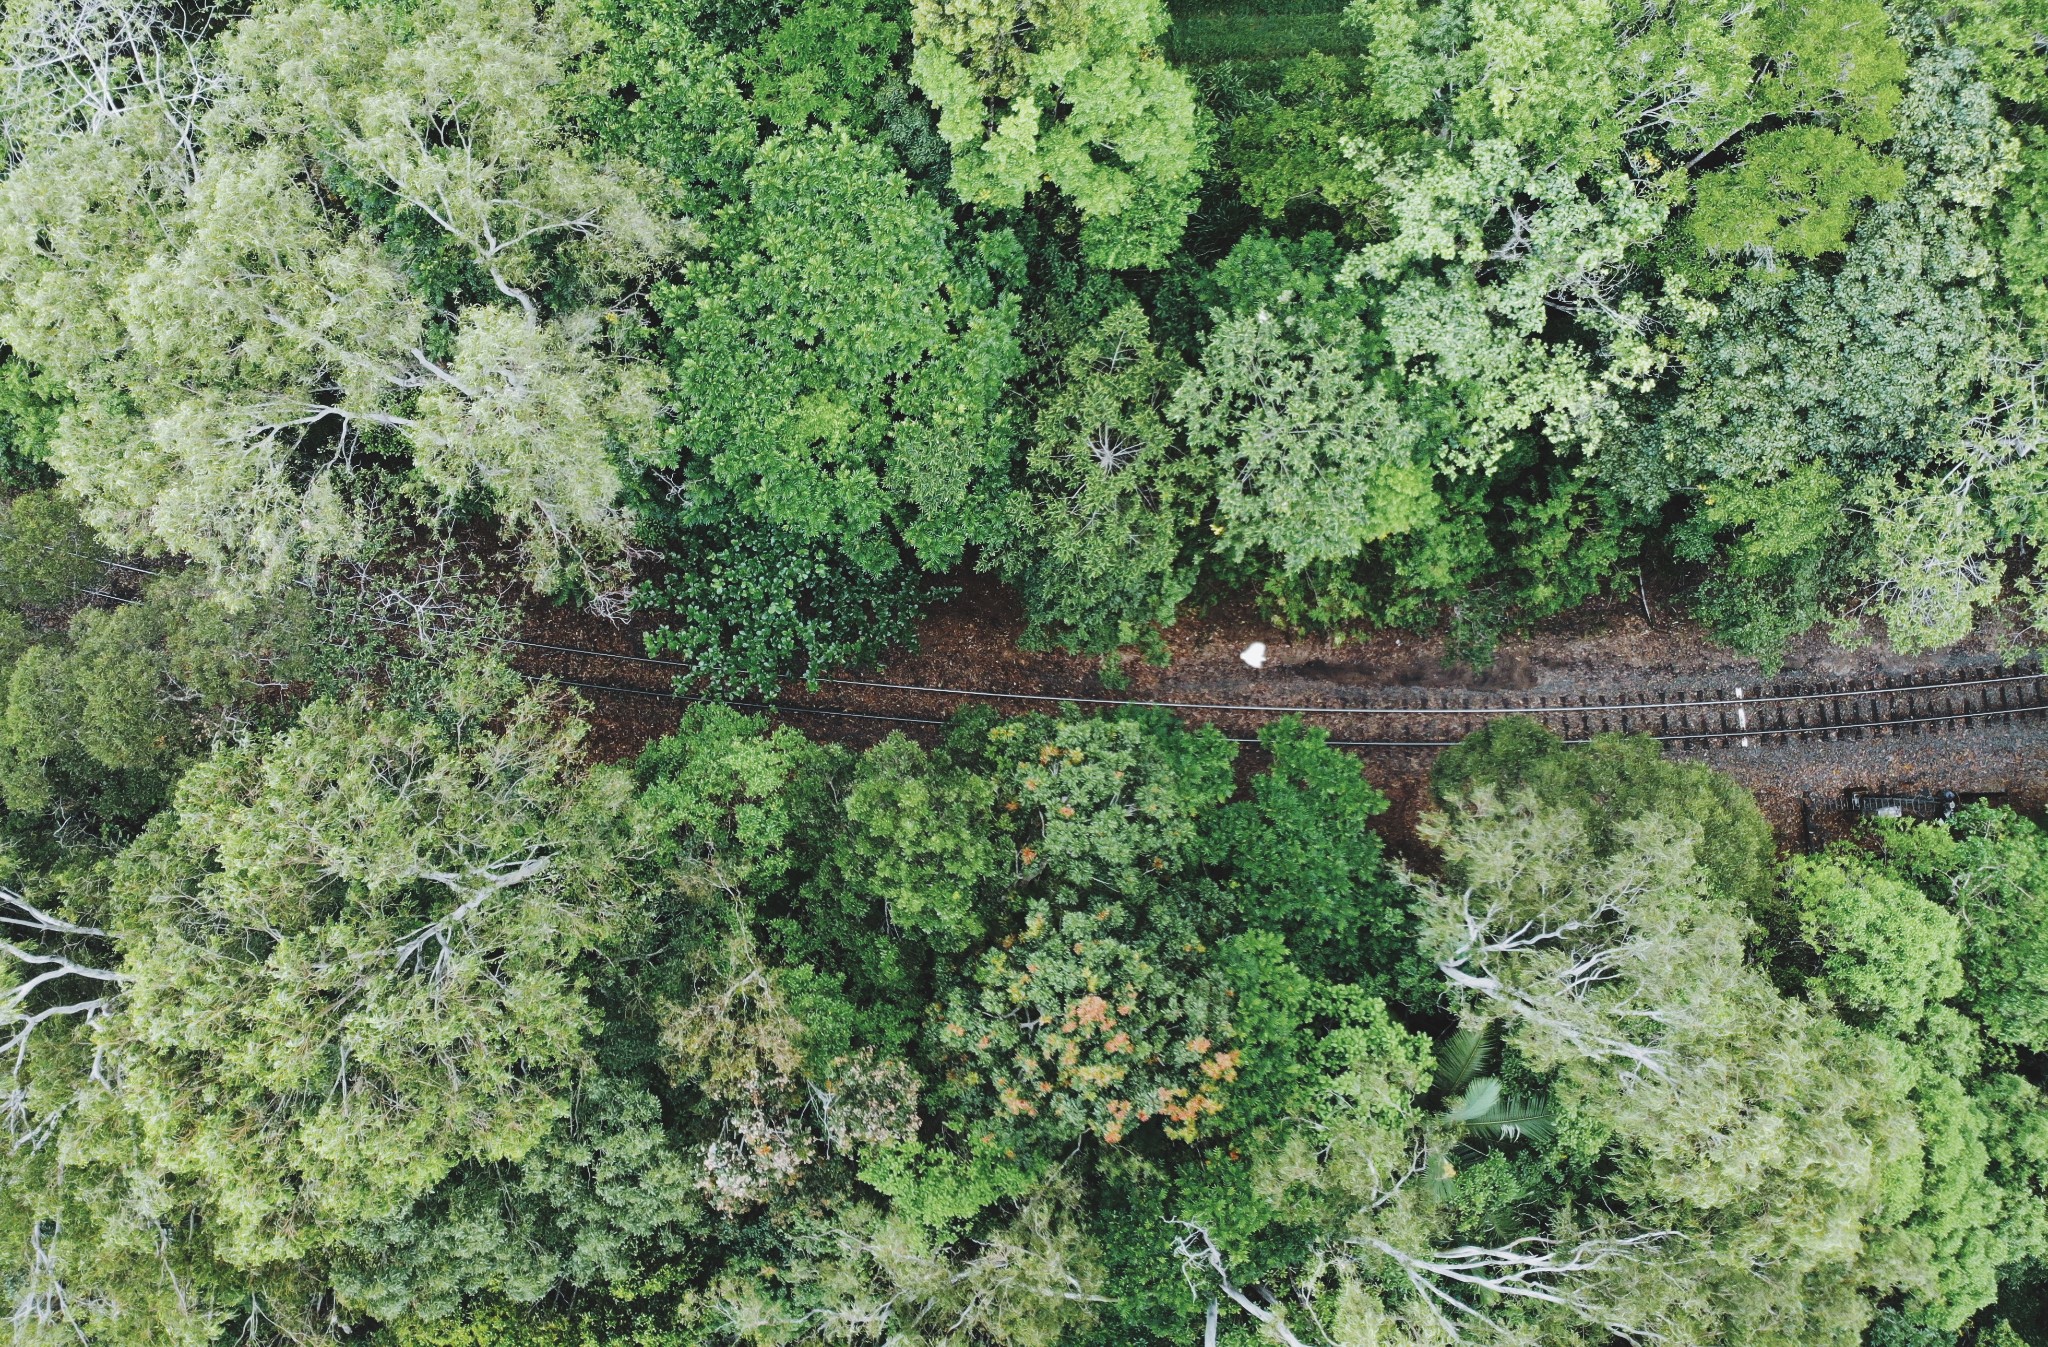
(1080, 1022)
(1100, 1010)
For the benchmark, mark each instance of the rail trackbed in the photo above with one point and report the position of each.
(1410, 717)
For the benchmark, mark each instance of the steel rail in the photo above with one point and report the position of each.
(1270, 708)
(1587, 708)
(1754, 732)
(783, 708)
(1267, 708)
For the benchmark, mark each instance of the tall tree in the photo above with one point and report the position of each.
(1313, 452)
(343, 962)
(1075, 94)
(1099, 542)
(328, 235)
(841, 364)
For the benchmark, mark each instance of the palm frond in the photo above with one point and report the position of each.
(1461, 1057)
(1481, 1095)
(1486, 1110)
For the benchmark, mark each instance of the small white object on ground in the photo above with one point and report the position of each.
(1254, 654)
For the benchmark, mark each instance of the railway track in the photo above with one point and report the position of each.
(1395, 718)
(1701, 718)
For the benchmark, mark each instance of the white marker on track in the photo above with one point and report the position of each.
(1254, 654)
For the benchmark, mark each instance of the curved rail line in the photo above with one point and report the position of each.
(1693, 717)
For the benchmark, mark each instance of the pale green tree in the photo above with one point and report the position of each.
(1519, 202)
(1314, 458)
(1076, 93)
(1562, 139)
(341, 971)
(207, 247)
(1314, 453)
(1030, 1282)
(1777, 1146)
(348, 959)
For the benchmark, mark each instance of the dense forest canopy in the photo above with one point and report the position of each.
(1397, 313)
(348, 996)
(390, 1017)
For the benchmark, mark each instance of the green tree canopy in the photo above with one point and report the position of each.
(1313, 455)
(1075, 94)
(332, 234)
(1099, 538)
(1616, 779)
(348, 959)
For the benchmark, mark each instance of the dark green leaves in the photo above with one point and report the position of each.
(1462, 1057)
(754, 607)
(1100, 543)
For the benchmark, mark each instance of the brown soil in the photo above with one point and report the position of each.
(1603, 648)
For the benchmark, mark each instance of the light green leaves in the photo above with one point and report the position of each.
(1796, 192)
(1071, 93)
(1886, 952)
(1313, 451)
(351, 959)
(918, 841)
(234, 328)
(1314, 459)
(537, 420)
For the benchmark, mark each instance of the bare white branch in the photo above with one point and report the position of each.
(43, 1301)
(50, 967)
(1197, 1250)
(1546, 1271)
